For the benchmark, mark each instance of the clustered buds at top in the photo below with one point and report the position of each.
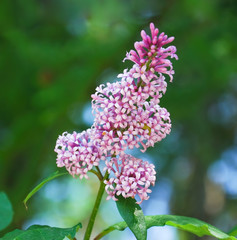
(150, 52)
(127, 115)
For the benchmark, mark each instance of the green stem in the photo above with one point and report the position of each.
(95, 208)
(98, 174)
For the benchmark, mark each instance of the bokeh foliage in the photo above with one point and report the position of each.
(54, 54)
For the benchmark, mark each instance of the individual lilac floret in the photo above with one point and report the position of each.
(151, 53)
(77, 153)
(130, 177)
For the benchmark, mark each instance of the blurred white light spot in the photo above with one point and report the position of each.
(164, 233)
(87, 115)
(224, 172)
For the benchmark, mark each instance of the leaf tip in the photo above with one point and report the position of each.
(26, 207)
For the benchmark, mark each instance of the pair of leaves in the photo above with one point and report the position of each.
(6, 212)
(38, 232)
(138, 223)
(35, 232)
(129, 210)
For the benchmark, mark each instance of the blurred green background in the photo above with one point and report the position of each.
(53, 53)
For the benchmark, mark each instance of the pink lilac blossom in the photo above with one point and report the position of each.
(125, 119)
(151, 53)
(127, 116)
(77, 153)
(153, 124)
(131, 177)
(144, 80)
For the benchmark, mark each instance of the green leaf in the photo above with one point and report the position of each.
(39, 186)
(38, 232)
(12, 235)
(132, 214)
(233, 231)
(117, 226)
(188, 224)
(6, 211)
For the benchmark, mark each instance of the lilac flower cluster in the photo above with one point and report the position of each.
(150, 52)
(77, 153)
(132, 176)
(125, 118)
(127, 115)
